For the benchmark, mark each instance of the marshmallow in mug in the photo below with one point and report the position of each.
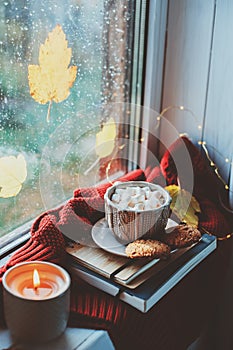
(138, 198)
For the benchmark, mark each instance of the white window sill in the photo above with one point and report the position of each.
(72, 338)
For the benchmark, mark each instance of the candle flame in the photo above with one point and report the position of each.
(36, 279)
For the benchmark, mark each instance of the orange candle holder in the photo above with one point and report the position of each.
(36, 299)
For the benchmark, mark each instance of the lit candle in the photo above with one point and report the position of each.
(36, 300)
(35, 289)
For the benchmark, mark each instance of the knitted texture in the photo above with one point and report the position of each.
(46, 243)
(154, 175)
(213, 220)
(77, 215)
(206, 185)
(205, 180)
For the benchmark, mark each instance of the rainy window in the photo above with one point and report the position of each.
(51, 128)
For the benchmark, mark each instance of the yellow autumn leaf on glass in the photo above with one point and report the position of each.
(13, 173)
(105, 139)
(52, 79)
(184, 205)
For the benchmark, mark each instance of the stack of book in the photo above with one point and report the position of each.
(138, 282)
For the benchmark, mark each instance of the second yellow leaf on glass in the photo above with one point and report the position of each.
(105, 139)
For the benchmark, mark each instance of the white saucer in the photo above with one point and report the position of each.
(105, 239)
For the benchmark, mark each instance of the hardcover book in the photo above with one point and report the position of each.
(138, 282)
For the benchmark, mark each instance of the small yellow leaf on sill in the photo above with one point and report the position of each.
(105, 139)
(13, 173)
(184, 205)
(52, 78)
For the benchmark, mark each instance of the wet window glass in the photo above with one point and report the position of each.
(60, 62)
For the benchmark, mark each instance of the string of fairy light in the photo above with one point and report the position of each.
(203, 144)
(212, 164)
(205, 147)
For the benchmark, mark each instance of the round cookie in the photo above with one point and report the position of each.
(182, 236)
(147, 248)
